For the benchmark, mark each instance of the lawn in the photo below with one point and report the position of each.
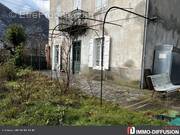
(34, 99)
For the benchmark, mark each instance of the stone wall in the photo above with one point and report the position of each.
(126, 41)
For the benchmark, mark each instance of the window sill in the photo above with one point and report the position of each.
(97, 67)
(100, 11)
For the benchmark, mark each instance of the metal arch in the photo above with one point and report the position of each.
(103, 34)
(52, 33)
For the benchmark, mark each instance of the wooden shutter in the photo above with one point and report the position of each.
(106, 52)
(90, 60)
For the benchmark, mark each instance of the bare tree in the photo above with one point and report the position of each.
(66, 72)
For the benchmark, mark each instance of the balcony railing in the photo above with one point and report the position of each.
(73, 22)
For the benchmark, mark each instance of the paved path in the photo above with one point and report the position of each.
(130, 98)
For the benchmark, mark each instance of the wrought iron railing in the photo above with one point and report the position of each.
(74, 19)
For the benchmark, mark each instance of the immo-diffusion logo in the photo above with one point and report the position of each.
(160, 131)
(131, 130)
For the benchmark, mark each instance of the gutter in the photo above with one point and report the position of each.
(144, 46)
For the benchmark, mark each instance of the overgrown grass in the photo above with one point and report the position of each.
(33, 99)
(8, 71)
(90, 113)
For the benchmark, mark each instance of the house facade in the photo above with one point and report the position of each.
(123, 42)
(130, 41)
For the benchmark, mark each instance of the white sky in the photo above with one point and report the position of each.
(20, 6)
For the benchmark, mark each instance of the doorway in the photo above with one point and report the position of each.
(76, 61)
(56, 57)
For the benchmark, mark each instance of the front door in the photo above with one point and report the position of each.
(56, 59)
(76, 57)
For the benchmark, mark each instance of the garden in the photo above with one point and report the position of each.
(30, 98)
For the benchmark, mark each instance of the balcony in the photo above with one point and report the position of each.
(73, 22)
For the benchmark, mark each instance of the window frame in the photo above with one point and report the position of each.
(77, 4)
(103, 5)
(95, 66)
(92, 53)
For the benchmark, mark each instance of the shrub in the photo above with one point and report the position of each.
(36, 114)
(16, 35)
(39, 101)
(24, 73)
(8, 71)
(4, 56)
(18, 57)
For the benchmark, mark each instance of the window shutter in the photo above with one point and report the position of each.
(104, 3)
(90, 60)
(106, 52)
(58, 10)
(77, 4)
(98, 4)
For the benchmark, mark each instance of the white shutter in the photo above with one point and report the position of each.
(77, 4)
(58, 10)
(98, 4)
(106, 52)
(104, 3)
(53, 57)
(90, 60)
(59, 62)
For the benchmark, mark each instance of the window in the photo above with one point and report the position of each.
(95, 53)
(58, 14)
(58, 10)
(77, 4)
(100, 4)
(61, 58)
(98, 51)
(56, 54)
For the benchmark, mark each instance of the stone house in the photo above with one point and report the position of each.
(129, 40)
